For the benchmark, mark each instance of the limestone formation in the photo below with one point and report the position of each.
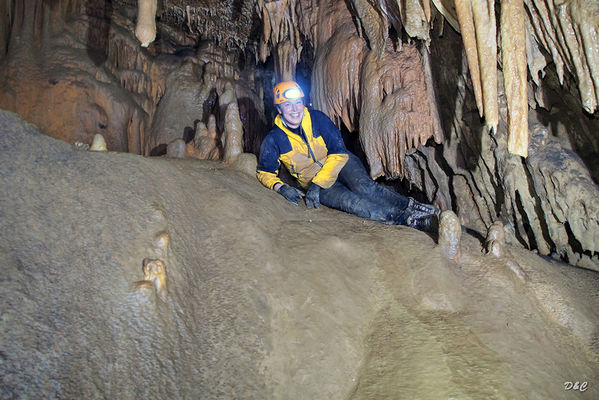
(246, 163)
(98, 144)
(355, 306)
(495, 240)
(155, 273)
(233, 134)
(206, 143)
(145, 31)
(81, 146)
(161, 244)
(176, 149)
(450, 233)
(513, 58)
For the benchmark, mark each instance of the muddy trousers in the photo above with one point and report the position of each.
(356, 193)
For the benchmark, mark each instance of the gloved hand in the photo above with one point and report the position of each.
(313, 196)
(292, 194)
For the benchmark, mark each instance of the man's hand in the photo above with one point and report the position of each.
(292, 194)
(313, 196)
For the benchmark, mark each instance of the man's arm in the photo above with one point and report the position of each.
(269, 164)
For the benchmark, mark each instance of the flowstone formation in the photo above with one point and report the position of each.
(132, 277)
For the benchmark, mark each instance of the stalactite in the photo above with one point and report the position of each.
(486, 41)
(145, 31)
(534, 57)
(447, 8)
(396, 113)
(466, 21)
(582, 41)
(568, 31)
(280, 31)
(336, 76)
(513, 56)
(416, 18)
(373, 24)
(286, 58)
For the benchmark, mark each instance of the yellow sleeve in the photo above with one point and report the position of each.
(268, 179)
(330, 170)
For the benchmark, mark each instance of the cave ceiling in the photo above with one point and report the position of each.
(563, 32)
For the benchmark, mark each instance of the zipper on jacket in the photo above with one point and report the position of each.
(305, 139)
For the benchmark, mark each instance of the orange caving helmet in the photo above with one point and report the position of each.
(288, 90)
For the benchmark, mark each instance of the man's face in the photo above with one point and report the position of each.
(292, 111)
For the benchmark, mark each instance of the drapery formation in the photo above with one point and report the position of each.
(359, 72)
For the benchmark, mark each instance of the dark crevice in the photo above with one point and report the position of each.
(532, 242)
(538, 208)
(446, 168)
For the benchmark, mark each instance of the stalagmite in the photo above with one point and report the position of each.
(145, 31)
(495, 240)
(176, 149)
(155, 273)
(205, 142)
(98, 144)
(233, 134)
(212, 144)
(450, 234)
(513, 57)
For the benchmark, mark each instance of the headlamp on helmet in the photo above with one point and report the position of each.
(288, 90)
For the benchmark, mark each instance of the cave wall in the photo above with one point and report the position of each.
(75, 69)
(546, 200)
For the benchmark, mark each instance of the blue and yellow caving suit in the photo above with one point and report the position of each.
(315, 153)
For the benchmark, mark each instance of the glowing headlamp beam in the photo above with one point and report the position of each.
(292, 94)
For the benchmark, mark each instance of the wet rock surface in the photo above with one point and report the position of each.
(264, 299)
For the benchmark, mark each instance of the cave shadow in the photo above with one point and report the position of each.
(565, 113)
(99, 14)
(448, 70)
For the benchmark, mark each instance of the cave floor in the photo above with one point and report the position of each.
(263, 299)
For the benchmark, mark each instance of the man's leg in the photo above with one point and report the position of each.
(341, 198)
(354, 176)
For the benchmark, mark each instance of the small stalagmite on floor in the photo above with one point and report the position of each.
(450, 232)
(154, 278)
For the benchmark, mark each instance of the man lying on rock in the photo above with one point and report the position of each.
(312, 149)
